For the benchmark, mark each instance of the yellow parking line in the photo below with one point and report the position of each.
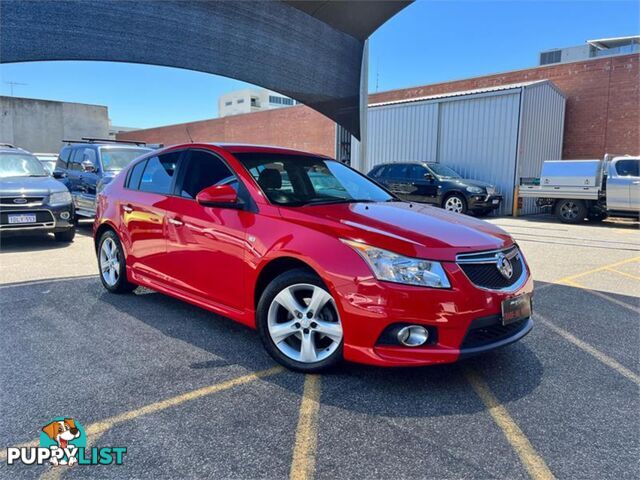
(595, 270)
(303, 464)
(103, 425)
(635, 277)
(609, 298)
(533, 462)
(597, 354)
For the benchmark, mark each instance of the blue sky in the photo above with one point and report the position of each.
(430, 41)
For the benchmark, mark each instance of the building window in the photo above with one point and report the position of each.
(550, 57)
(240, 100)
(254, 102)
(228, 104)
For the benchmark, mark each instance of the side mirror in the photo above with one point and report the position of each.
(219, 196)
(88, 166)
(428, 176)
(58, 174)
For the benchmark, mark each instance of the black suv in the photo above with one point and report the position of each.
(437, 184)
(30, 200)
(86, 166)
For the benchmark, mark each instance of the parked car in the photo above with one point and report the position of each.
(439, 185)
(576, 190)
(86, 166)
(48, 161)
(327, 265)
(30, 200)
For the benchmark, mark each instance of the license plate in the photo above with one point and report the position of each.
(517, 308)
(495, 201)
(23, 218)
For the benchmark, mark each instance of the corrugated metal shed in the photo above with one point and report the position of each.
(494, 134)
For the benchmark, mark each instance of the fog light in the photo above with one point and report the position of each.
(413, 336)
(65, 215)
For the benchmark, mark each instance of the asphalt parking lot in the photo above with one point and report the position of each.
(192, 395)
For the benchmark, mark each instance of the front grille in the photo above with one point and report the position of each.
(43, 217)
(23, 201)
(482, 268)
(485, 331)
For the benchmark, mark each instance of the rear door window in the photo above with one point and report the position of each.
(159, 173)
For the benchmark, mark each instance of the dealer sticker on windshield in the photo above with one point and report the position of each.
(516, 308)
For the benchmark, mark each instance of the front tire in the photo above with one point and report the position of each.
(298, 322)
(455, 203)
(111, 264)
(65, 236)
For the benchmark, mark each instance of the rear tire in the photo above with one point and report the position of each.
(112, 264)
(571, 211)
(65, 236)
(310, 341)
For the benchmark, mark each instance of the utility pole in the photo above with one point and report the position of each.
(12, 84)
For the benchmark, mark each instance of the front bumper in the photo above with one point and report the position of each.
(370, 307)
(484, 202)
(49, 218)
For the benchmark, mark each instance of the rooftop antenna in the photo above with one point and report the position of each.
(13, 84)
(186, 127)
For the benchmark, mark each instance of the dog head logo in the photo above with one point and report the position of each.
(65, 434)
(62, 431)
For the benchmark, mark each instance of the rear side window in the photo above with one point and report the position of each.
(159, 173)
(136, 175)
(380, 171)
(627, 168)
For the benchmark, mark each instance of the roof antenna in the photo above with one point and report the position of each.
(188, 133)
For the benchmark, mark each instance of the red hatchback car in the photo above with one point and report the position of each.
(325, 263)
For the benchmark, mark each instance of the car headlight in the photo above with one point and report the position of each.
(60, 198)
(475, 190)
(392, 267)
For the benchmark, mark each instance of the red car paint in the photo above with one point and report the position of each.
(217, 262)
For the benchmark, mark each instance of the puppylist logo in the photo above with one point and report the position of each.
(63, 442)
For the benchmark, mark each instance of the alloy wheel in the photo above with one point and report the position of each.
(109, 262)
(569, 210)
(304, 324)
(454, 204)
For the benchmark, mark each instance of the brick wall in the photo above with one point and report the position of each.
(603, 101)
(602, 116)
(296, 127)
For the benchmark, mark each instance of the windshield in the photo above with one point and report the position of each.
(115, 159)
(442, 171)
(20, 165)
(296, 180)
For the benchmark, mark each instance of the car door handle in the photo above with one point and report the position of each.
(176, 222)
(127, 208)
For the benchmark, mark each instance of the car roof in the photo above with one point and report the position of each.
(107, 145)
(248, 148)
(14, 150)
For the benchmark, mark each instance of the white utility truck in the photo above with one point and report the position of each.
(576, 190)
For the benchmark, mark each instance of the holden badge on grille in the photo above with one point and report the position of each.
(504, 266)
